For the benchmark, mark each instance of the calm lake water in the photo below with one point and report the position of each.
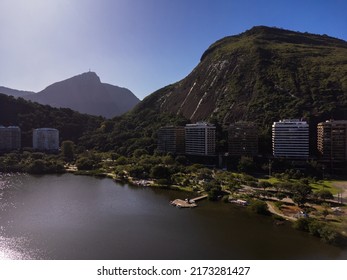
(78, 217)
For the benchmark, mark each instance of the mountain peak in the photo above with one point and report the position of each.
(261, 36)
(85, 93)
(89, 76)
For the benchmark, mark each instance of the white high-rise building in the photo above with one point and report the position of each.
(46, 139)
(10, 138)
(290, 139)
(200, 139)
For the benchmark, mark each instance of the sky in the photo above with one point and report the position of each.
(142, 45)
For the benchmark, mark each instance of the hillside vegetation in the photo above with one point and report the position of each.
(28, 115)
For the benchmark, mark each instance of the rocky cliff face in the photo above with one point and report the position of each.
(262, 75)
(86, 94)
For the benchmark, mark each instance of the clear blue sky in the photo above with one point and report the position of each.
(139, 44)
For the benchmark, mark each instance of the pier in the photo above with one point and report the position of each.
(187, 203)
(199, 198)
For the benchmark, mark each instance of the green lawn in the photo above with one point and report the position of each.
(271, 180)
(320, 185)
(325, 185)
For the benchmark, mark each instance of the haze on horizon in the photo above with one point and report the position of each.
(142, 45)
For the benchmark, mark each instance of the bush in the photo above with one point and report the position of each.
(137, 172)
(85, 164)
(139, 152)
(278, 204)
(121, 160)
(163, 182)
(38, 166)
(301, 224)
(160, 172)
(319, 229)
(325, 194)
(259, 207)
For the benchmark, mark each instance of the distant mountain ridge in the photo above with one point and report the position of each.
(14, 92)
(84, 93)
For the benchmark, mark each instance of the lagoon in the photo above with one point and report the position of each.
(78, 217)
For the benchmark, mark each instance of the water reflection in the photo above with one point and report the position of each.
(78, 217)
(12, 249)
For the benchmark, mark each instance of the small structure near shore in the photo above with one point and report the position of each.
(239, 202)
(187, 203)
(183, 203)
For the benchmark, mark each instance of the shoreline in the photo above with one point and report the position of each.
(271, 208)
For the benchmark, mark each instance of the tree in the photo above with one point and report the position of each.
(121, 160)
(85, 163)
(181, 160)
(137, 171)
(68, 150)
(325, 211)
(300, 193)
(139, 152)
(246, 164)
(325, 194)
(38, 166)
(259, 207)
(160, 172)
(264, 185)
(204, 174)
(168, 160)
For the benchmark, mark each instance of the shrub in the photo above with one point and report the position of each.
(301, 224)
(259, 207)
(84, 163)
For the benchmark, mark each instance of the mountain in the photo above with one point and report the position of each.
(14, 92)
(28, 115)
(86, 94)
(262, 75)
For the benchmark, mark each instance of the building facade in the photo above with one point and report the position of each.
(46, 139)
(171, 139)
(10, 138)
(200, 139)
(332, 140)
(290, 139)
(243, 139)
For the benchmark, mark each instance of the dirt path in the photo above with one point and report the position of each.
(274, 211)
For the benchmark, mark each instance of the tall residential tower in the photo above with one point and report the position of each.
(171, 139)
(46, 139)
(243, 139)
(200, 139)
(290, 139)
(332, 140)
(10, 138)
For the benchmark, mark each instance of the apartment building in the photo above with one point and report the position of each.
(332, 140)
(290, 139)
(171, 139)
(200, 139)
(46, 139)
(243, 139)
(10, 138)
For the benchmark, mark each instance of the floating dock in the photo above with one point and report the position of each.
(199, 198)
(187, 203)
(183, 203)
